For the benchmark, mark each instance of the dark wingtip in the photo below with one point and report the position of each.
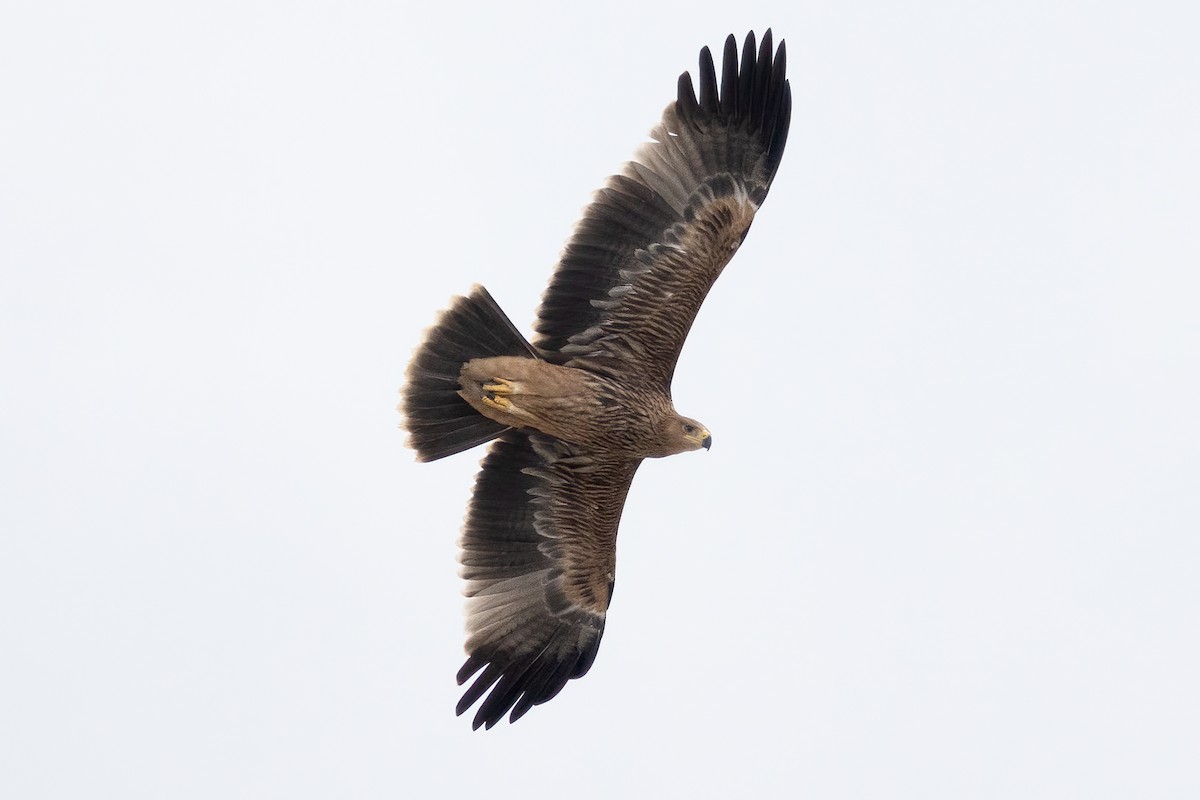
(752, 90)
(686, 97)
(729, 77)
(469, 668)
(708, 81)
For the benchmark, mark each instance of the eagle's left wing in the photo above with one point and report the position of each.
(539, 558)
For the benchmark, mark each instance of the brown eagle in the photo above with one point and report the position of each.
(573, 414)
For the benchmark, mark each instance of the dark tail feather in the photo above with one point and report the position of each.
(439, 422)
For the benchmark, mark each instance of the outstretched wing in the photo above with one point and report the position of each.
(539, 557)
(655, 238)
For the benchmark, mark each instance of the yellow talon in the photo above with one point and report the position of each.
(499, 386)
(496, 394)
(497, 401)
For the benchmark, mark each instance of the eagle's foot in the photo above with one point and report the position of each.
(495, 394)
(497, 401)
(498, 386)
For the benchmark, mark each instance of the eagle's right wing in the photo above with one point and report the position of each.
(649, 247)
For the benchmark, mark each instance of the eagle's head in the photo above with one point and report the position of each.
(679, 434)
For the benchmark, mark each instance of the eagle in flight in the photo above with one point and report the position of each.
(571, 415)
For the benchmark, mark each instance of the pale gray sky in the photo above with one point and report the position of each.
(956, 554)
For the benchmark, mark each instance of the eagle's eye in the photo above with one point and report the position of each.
(689, 428)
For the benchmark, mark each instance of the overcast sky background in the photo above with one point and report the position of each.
(947, 541)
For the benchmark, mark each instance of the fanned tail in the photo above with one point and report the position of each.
(439, 422)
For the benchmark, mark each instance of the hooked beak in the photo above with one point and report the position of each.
(706, 442)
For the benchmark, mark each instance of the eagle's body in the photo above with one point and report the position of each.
(578, 406)
(572, 415)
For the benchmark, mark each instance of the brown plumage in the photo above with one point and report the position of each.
(573, 414)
